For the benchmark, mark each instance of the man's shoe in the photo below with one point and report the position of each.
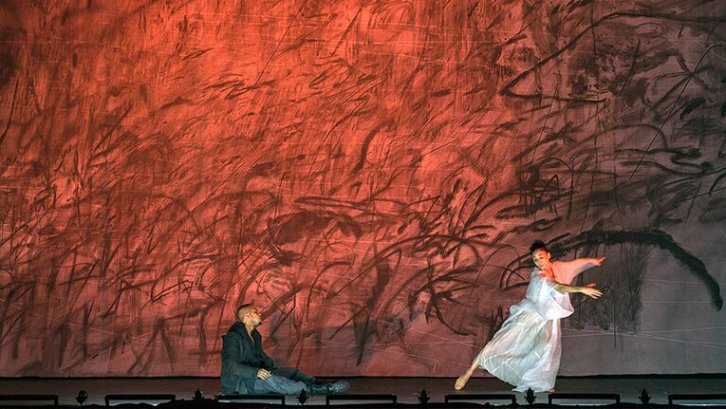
(339, 387)
(329, 388)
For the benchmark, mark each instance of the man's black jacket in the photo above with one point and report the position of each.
(242, 357)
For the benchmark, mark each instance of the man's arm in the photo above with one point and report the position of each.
(232, 357)
(269, 363)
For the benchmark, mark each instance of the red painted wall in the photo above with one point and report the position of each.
(369, 173)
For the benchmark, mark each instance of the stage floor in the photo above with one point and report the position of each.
(407, 389)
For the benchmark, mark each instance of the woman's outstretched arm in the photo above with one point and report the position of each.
(596, 262)
(568, 270)
(589, 290)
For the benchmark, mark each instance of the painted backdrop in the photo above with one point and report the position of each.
(370, 173)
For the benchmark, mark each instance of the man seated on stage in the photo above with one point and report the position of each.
(246, 369)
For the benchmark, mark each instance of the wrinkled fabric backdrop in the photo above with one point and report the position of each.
(369, 173)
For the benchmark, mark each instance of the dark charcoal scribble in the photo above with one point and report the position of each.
(369, 173)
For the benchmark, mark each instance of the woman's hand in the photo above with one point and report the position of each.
(590, 291)
(598, 261)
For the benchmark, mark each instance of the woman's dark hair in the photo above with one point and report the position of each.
(538, 244)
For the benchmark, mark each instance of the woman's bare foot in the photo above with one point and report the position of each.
(461, 381)
(464, 378)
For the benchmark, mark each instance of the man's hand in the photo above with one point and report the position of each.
(263, 374)
(590, 291)
(598, 261)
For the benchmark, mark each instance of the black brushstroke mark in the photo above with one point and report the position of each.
(656, 238)
(672, 110)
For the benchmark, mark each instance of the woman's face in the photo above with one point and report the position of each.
(541, 258)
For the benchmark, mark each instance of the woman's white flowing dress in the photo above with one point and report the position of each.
(526, 351)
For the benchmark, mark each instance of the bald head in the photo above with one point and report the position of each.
(244, 309)
(249, 315)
